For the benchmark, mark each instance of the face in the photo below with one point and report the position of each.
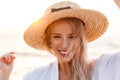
(62, 39)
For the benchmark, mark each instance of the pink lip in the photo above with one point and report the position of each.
(63, 55)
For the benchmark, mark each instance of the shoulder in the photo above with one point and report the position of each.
(41, 72)
(109, 58)
(107, 67)
(34, 73)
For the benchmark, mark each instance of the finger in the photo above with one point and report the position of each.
(12, 55)
(11, 52)
(8, 58)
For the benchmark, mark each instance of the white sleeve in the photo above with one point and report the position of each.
(36, 74)
(48, 72)
(107, 67)
(28, 76)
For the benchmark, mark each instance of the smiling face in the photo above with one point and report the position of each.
(62, 37)
(65, 39)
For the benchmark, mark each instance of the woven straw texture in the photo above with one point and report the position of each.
(95, 23)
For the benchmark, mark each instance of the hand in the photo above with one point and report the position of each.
(117, 3)
(6, 65)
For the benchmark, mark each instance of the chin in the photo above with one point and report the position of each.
(64, 60)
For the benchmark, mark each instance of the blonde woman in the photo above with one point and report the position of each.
(64, 31)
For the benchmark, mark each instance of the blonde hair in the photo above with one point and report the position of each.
(81, 68)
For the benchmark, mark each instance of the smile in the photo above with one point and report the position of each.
(63, 52)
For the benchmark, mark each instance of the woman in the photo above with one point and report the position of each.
(65, 40)
(64, 31)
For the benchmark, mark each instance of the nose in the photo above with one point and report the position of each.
(65, 43)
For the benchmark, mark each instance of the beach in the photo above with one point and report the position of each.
(28, 62)
(28, 59)
(15, 19)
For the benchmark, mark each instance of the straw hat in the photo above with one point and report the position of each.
(95, 22)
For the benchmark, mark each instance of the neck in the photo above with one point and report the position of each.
(65, 71)
(65, 67)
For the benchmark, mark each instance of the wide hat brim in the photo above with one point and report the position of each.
(95, 25)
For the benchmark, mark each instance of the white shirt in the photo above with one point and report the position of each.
(106, 68)
(48, 72)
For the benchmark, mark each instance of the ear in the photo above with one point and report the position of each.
(117, 2)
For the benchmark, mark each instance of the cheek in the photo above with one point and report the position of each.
(55, 44)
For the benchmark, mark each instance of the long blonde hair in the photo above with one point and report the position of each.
(81, 67)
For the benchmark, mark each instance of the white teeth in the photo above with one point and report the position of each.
(64, 52)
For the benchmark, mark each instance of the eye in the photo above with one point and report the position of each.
(56, 36)
(72, 37)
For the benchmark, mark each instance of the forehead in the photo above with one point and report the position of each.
(61, 25)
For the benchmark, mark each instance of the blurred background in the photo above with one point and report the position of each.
(17, 15)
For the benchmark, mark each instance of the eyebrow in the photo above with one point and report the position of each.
(60, 34)
(56, 34)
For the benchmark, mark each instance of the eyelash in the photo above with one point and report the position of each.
(56, 36)
(71, 37)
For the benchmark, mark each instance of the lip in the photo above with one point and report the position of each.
(64, 53)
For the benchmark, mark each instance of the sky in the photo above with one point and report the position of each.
(21, 13)
(17, 15)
